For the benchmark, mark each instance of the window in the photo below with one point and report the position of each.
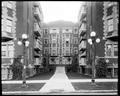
(10, 12)
(75, 40)
(67, 43)
(10, 53)
(67, 35)
(9, 22)
(53, 35)
(45, 31)
(110, 25)
(54, 44)
(46, 41)
(67, 29)
(3, 53)
(109, 11)
(9, 25)
(109, 50)
(9, 5)
(75, 31)
(9, 29)
(67, 52)
(10, 50)
(115, 50)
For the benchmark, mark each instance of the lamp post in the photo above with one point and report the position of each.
(25, 42)
(92, 41)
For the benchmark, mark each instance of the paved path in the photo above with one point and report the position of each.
(58, 82)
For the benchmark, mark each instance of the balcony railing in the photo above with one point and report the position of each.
(82, 29)
(37, 54)
(36, 29)
(82, 45)
(112, 35)
(37, 46)
(6, 36)
(82, 55)
(82, 62)
(37, 14)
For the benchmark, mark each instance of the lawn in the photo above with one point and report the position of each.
(42, 76)
(75, 75)
(97, 86)
(18, 87)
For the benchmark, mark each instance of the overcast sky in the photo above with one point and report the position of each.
(60, 10)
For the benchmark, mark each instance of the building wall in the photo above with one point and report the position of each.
(60, 41)
(8, 35)
(110, 19)
(22, 16)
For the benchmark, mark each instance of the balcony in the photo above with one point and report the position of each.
(36, 29)
(37, 13)
(83, 55)
(112, 35)
(82, 46)
(82, 38)
(6, 36)
(82, 13)
(37, 46)
(83, 29)
(82, 62)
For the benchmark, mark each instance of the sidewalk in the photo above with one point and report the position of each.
(59, 82)
(70, 80)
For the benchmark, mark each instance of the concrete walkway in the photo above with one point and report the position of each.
(58, 82)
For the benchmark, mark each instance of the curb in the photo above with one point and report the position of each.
(80, 92)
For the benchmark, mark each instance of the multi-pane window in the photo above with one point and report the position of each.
(46, 32)
(112, 50)
(75, 40)
(9, 25)
(75, 31)
(115, 50)
(109, 11)
(3, 53)
(54, 44)
(110, 25)
(4, 50)
(109, 50)
(67, 35)
(67, 43)
(9, 9)
(10, 50)
(45, 41)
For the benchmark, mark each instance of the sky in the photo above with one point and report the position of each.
(60, 10)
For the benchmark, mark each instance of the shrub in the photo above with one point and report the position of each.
(101, 68)
(17, 68)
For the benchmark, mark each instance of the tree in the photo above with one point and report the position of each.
(17, 68)
(101, 68)
(75, 64)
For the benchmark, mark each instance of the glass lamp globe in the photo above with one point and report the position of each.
(93, 34)
(24, 36)
(91, 43)
(109, 46)
(19, 43)
(89, 40)
(97, 40)
(107, 60)
(27, 43)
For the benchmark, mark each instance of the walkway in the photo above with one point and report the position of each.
(58, 82)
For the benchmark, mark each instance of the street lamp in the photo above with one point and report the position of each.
(91, 41)
(25, 42)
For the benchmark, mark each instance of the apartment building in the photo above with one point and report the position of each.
(103, 19)
(60, 42)
(8, 35)
(82, 38)
(21, 17)
(111, 20)
(90, 19)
